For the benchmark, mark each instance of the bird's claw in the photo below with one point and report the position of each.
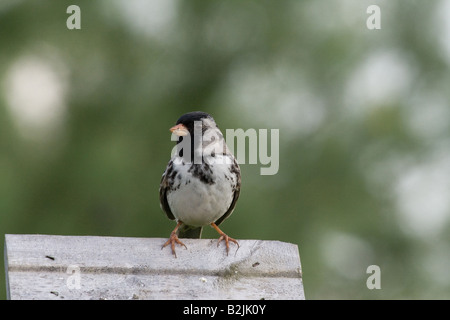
(173, 239)
(227, 239)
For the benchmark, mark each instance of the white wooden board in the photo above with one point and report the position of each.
(91, 267)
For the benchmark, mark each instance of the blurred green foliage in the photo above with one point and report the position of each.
(361, 113)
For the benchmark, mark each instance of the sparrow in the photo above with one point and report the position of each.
(202, 181)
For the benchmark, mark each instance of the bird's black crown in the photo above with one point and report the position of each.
(189, 118)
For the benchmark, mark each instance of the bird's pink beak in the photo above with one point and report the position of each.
(180, 130)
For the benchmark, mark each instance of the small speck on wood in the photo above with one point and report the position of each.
(50, 257)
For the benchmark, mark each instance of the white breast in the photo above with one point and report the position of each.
(197, 203)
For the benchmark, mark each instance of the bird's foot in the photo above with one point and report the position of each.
(224, 237)
(227, 239)
(173, 239)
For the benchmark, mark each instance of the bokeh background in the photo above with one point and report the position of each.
(364, 120)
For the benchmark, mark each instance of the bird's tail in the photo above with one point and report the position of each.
(189, 232)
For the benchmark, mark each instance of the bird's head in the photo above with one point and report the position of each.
(186, 123)
(198, 133)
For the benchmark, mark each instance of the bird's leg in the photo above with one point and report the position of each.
(174, 239)
(224, 237)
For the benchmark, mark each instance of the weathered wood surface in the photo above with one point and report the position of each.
(90, 267)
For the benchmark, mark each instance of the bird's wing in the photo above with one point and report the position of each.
(237, 191)
(163, 187)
